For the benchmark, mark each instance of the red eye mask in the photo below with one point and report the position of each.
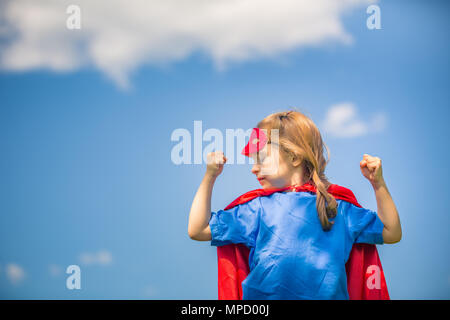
(257, 141)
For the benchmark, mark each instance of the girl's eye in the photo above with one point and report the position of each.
(261, 157)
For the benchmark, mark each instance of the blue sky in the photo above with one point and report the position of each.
(87, 177)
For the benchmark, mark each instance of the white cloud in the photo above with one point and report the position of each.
(342, 121)
(15, 273)
(116, 37)
(102, 257)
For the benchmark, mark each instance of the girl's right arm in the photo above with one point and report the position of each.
(200, 214)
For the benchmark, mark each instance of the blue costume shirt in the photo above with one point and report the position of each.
(291, 257)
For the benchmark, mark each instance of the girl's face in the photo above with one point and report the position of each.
(271, 167)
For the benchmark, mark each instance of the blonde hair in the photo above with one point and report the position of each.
(299, 138)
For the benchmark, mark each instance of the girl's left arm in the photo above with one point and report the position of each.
(387, 212)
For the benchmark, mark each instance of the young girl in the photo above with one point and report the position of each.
(299, 241)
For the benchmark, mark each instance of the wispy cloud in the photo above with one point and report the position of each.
(15, 273)
(102, 257)
(55, 270)
(150, 292)
(343, 121)
(116, 37)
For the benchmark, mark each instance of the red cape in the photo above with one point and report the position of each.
(365, 277)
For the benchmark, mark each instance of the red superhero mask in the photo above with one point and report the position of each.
(257, 141)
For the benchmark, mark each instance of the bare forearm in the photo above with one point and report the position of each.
(200, 213)
(387, 212)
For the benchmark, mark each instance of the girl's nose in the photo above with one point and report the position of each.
(255, 169)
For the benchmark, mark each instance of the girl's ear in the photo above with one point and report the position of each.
(296, 161)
